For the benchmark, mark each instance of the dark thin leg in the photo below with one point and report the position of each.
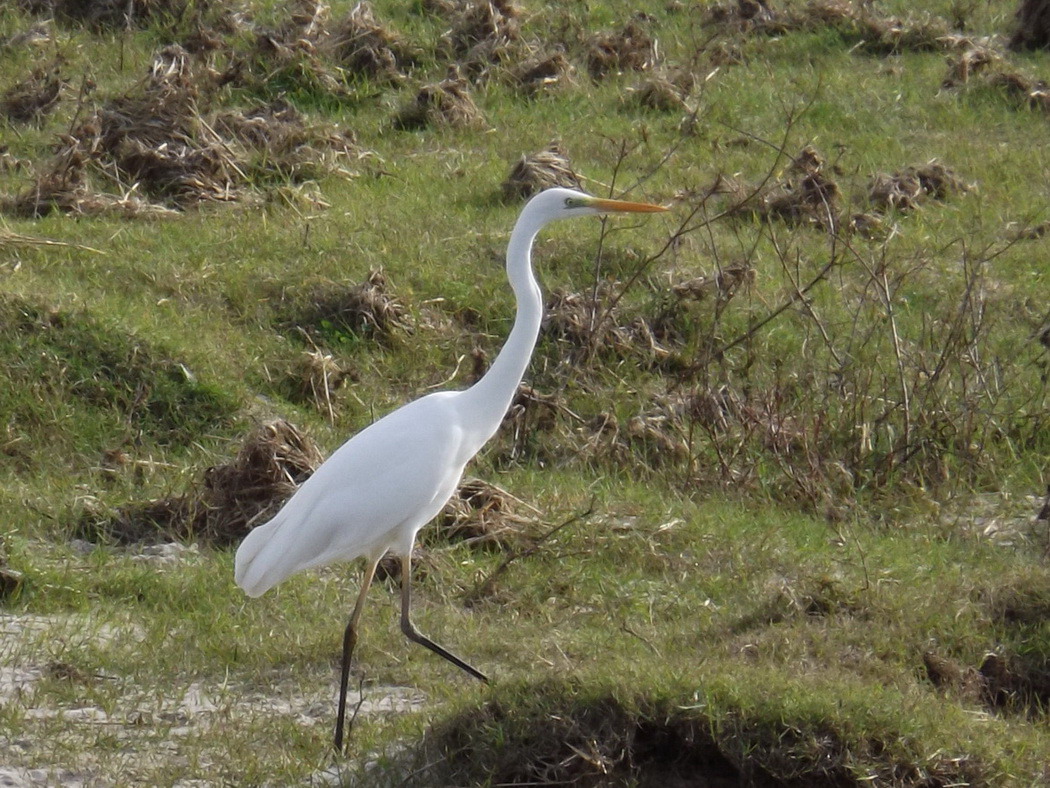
(412, 634)
(349, 641)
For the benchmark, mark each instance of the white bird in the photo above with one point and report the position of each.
(375, 493)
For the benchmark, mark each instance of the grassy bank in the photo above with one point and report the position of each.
(795, 431)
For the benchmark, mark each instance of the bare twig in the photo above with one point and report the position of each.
(29, 240)
(485, 587)
(798, 294)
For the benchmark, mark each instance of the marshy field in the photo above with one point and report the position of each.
(771, 508)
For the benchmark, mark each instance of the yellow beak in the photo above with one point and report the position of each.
(622, 206)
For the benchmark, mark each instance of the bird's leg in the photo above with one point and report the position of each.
(349, 641)
(413, 634)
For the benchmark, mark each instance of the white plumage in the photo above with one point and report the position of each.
(379, 488)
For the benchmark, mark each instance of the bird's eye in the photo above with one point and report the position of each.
(572, 202)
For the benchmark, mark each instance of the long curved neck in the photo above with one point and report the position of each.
(491, 396)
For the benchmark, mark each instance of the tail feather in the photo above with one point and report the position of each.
(249, 571)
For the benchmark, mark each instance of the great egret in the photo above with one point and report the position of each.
(380, 487)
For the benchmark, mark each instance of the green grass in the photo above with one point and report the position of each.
(783, 533)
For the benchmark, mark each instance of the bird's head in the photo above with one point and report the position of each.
(566, 203)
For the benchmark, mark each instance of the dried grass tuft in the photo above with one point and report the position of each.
(539, 171)
(805, 195)
(541, 71)
(291, 57)
(873, 33)
(660, 94)
(364, 47)
(37, 34)
(906, 189)
(314, 378)
(1028, 92)
(484, 34)
(445, 103)
(725, 283)
(368, 310)
(1033, 26)
(629, 49)
(273, 461)
(481, 515)
(158, 150)
(585, 328)
(742, 16)
(572, 319)
(32, 99)
(271, 464)
(284, 144)
(665, 94)
(110, 14)
(970, 62)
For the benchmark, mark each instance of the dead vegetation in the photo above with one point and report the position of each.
(722, 285)
(583, 326)
(631, 48)
(156, 148)
(970, 62)
(806, 194)
(366, 48)
(225, 502)
(33, 98)
(484, 34)
(908, 188)
(1033, 25)
(856, 23)
(541, 71)
(228, 500)
(980, 65)
(110, 14)
(1027, 92)
(1004, 684)
(448, 103)
(481, 515)
(665, 93)
(291, 58)
(279, 144)
(328, 314)
(314, 378)
(538, 171)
